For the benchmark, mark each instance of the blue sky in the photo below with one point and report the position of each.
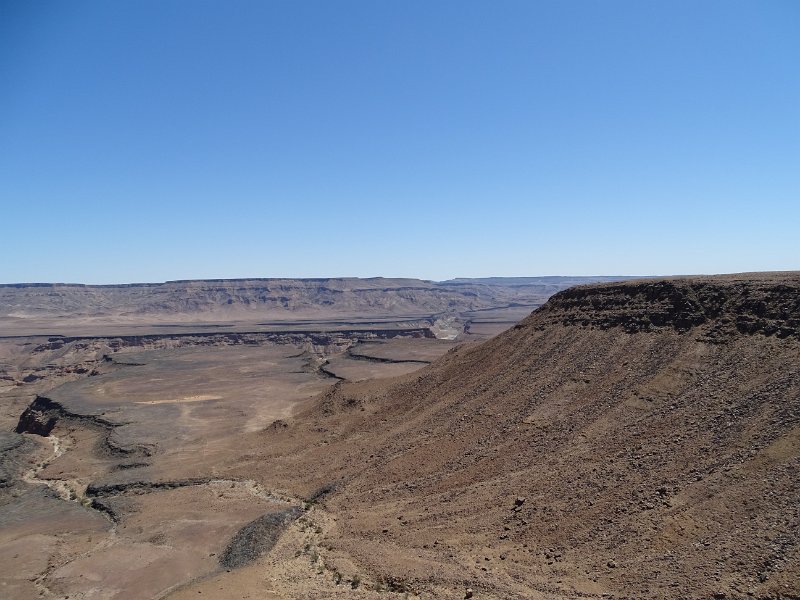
(152, 140)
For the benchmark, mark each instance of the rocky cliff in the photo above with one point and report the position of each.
(740, 303)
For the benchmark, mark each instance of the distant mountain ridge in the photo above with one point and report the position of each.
(560, 280)
(496, 281)
(226, 300)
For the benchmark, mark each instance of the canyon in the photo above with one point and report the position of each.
(472, 438)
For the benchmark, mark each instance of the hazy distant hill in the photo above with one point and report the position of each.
(252, 300)
(561, 281)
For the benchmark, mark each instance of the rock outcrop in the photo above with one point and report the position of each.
(770, 306)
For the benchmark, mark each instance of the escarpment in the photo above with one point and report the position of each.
(637, 440)
(770, 306)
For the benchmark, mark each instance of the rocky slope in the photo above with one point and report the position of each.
(633, 440)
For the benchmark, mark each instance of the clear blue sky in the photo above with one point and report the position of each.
(151, 140)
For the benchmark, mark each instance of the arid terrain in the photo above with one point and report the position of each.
(402, 439)
(152, 387)
(268, 304)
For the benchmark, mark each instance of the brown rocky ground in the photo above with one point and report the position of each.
(633, 440)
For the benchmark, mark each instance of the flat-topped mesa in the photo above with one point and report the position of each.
(767, 304)
(46, 309)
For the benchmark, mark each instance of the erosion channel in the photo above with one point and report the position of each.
(114, 484)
